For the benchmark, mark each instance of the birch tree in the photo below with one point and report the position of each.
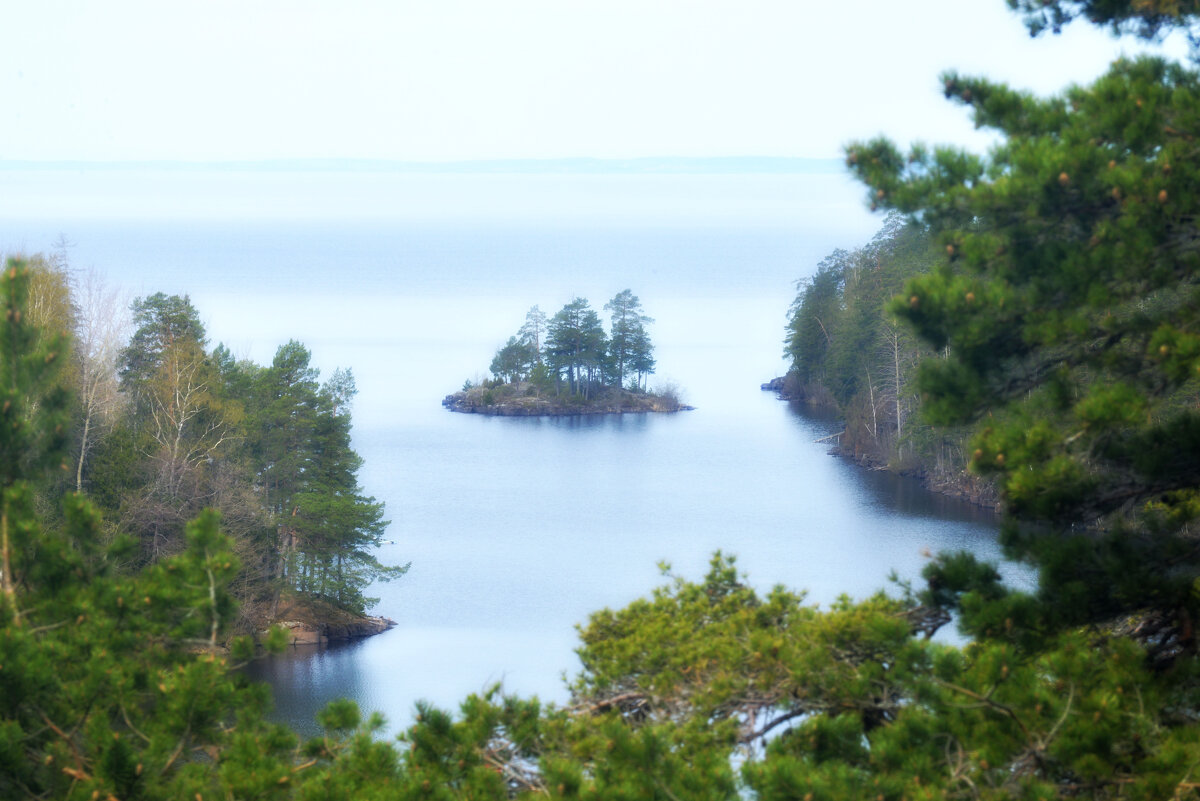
(100, 328)
(183, 419)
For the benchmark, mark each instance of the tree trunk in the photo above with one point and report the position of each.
(899, 410)
(10, 590)
(874, 417)
(83, 447)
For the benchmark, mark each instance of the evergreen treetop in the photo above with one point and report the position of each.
(1066, 308)
(1146, 18)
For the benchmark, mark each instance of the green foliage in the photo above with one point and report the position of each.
(1062, 309)
(1147, 18)
(1065, 301)
(753, 653)
(101, 691)
(571, 356)
(514, 361)
(629, 349)
(1064, 320)
(848, 352)
(325, 530)
(269, 446)
(709, 690)
(163, 322)
(29, 446)
(576, 345)
(182, 429)
(817, 304)
(110, 682)
(705, 690)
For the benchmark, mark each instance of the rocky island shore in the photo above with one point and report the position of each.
(311, 621)
(523, 399)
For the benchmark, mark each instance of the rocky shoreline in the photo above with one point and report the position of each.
(308, 621)
(519, 400)
(967, 487)
(305, 633)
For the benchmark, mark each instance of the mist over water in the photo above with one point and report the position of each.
(518, 528)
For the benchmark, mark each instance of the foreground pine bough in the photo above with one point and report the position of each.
(705, 690)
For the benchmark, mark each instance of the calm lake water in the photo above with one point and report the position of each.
(518, 528)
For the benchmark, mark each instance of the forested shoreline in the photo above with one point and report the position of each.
(164, 425)
(568, 364)
(849, 354)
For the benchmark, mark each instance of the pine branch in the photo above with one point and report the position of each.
(69, 739)
(986, 700)
(784, 718)
(129, 723)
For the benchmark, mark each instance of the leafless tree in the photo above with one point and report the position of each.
(101, 328)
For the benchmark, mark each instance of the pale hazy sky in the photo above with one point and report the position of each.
(475, 79)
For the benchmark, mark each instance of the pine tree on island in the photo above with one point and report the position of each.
(569, 364)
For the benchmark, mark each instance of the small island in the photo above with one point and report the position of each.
(569, 365)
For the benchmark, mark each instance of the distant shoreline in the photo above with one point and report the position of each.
(666, 165)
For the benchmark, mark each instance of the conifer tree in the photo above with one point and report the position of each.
(102, 693)
(1148, 19)
(1068, 304)
(811, 319)
(629, 346)
(325, 529)
(161, 322)
(514, 360)
(533, 331)
(575, 344)
(33, 426)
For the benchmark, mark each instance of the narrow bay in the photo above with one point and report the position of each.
(518, 528)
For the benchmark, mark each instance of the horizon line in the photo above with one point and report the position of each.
(793, 165)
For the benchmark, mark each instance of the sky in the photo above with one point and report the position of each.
(448, 80)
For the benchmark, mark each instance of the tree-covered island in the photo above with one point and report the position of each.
(568, 364)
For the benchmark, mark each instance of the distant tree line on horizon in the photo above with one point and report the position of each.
(572, 352)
